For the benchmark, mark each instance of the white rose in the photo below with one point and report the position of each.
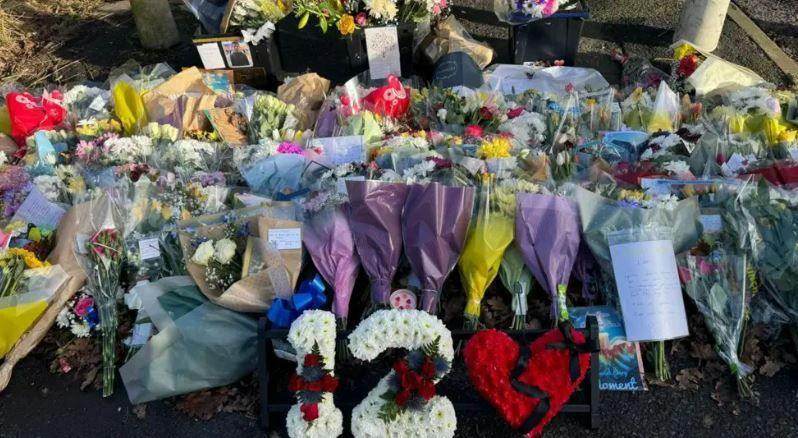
(225, 250)
(442, 114)
(202, 256)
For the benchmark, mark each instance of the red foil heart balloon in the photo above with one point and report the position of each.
(392, 100)
(491, 357)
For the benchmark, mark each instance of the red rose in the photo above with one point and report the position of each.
(329, 383)
(295, 383)
(312, 360)
(515, 112)
(402, 398)
(310, 411)
(428, 369)
(687, 65)
(314, 386)
(485, 113)
(473, 131)
(427, 390)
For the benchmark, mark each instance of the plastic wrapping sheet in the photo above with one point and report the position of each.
(277, 174)
(547, 234)
(435, 222)
(18, 312)
(199, 345)
(328, 237)
(375, 214)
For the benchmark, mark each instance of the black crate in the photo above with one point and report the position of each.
(331, 55)
(550, 39)
(357, 379)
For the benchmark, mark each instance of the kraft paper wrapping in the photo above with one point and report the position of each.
(306, 93)
(255, 292)
(450, 36)
(63, 254)
(180, 101)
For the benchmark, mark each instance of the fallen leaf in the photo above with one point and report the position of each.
(202, 405)
(140, 411)
(771, 367)
(702, 351)
(88, 379)
(689, 378)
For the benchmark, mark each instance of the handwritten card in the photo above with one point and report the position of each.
(649, 290)
(211, 55)
(37, 210)
(341, 150)
(286, 238)
(149, 249)
(382, 48)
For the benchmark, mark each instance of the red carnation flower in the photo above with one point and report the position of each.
(485, 113)
(310, 411)
(401, 367)
(427, 390)
(314, 386)
(312, 360)
(295, 383)
(411, 380)
(329, 383)
(515, 112)
(402, 398)
(687, 65)
(428, 369)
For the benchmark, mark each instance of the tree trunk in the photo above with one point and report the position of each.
(701, 23)
(155, 23)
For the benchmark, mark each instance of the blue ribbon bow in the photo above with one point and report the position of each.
(309, 296)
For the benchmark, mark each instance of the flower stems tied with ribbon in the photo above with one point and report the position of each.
(310, 295)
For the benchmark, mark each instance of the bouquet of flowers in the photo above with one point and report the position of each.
(27, 285)
(717, 285)
(79, 316)
(490, 235)
(271, 118)
(15, 185)
(375, 213)
(100, 249)
(524, 11)
(348, 16)
(434, 224)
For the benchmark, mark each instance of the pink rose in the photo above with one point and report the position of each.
(443, 3)
(436, 10)
(360, 19)
(473, 131)
(83, 306)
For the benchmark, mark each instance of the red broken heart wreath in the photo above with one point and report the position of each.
(527, 384)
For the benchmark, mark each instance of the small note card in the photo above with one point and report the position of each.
(211, 55)
(341, 150)
(649, 290)
(149, 249)
(37, 210)
(382, 47)
(286, 238)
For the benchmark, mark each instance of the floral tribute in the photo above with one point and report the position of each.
(313, 337)
(404, 403)
(527, 384)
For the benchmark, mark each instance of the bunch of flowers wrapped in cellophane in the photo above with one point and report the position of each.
(524, 11)
(100, 248)
(27, 285)
(717, 284)
(490, 234)
(271, 118)
(79, 316)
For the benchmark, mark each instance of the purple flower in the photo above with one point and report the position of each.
(287, 147)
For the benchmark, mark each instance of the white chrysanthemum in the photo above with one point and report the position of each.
(436, 419)
(677, 167)
(128, 149)
(49, 185)
(330, 423)
(189, 153)
(202, 256)
(410, 329)
(81, 329)
(62, 320)
(314, 327)
(224, 251)
(384, 10)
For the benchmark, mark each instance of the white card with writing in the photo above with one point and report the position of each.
(37, 210)
(649, 290)
(286, 238)
(341, 150)
(211, 55)
(149, 249)
(382, 48)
